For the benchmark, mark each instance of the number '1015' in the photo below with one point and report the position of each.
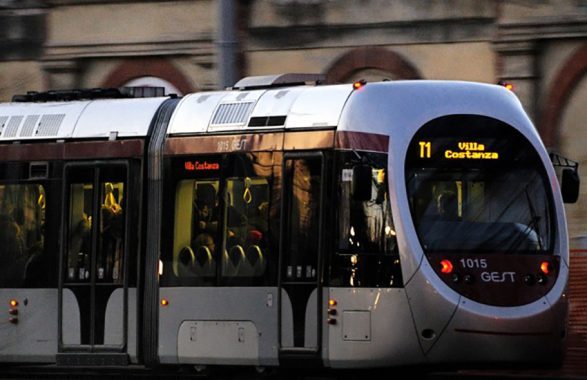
(474, 263)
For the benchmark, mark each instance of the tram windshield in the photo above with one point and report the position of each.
(477, 185)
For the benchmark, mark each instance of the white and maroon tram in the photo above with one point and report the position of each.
(280, 223)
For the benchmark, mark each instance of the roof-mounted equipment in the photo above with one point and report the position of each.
(89, 94)
(570, 181)
(278, 80)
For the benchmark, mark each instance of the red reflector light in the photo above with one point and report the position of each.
(545, 267)
(507, 85)
(358, 84)
(446, 266)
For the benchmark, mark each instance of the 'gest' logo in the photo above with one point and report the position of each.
(498, 276)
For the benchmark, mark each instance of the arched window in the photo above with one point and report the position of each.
(150, 81)
(370, 63)
(561, 89)
(150, 72)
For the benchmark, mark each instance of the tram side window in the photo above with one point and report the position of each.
(246, 227)
(195, 231)
(246, 250)
(221, 229)
(366, 246)
(22, 229)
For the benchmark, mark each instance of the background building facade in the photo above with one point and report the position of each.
(193, 45)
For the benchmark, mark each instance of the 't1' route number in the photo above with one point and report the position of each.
(425, 149)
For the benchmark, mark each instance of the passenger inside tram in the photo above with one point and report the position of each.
(11, 239)
(205, 209)
(110, 258)
(447, 206)
(204, 227)
(232, 233)
(22, 221)
(33, 223)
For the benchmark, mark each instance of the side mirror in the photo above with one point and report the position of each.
(570, 184)
(362, 178)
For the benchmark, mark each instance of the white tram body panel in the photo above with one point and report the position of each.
(425, 321)
(210, 317)
(40, 327)
(35, 338)
(460, 329)
(234, 326)
(399, 111)
(242, 328)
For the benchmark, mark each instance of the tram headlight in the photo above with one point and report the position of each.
(545, 267)
(446, 266)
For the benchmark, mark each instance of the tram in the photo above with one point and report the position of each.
(281, 222)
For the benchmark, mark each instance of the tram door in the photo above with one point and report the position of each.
(93, 298)
(299, 280)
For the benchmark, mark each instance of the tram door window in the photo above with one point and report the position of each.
(300, 250)
(95, 254)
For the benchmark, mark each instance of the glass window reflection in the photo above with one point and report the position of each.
(367, 254)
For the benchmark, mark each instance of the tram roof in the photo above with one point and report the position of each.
(80, 119)
(254, 109)
(250, 107)
(259, 109)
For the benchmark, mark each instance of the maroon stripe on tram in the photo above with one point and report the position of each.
(362, 141)
(72, 150)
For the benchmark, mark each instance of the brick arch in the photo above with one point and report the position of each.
(561, 89)
(141, 67)
(370, 58)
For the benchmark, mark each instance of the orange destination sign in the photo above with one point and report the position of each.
(464, 150)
